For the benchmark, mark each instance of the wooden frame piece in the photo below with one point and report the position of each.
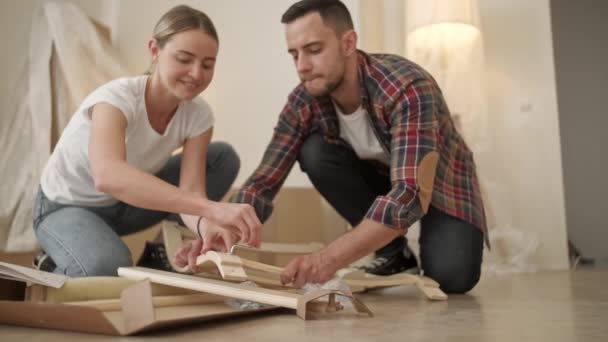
(284, 248)
(93, 289)
(303, 304)
(157, 301)
(429, 287)
(234, 268)
(231, 267)
(173, 235)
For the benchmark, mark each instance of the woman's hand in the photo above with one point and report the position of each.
(240, 218)
(214, 238)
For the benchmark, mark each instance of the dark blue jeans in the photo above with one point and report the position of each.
(85, 241)
(450, 248)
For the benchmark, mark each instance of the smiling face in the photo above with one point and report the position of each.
(317, 53)
(186, 63)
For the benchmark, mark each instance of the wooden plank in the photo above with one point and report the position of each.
(300, 303)
(232, 267)
(285, 248)
(173, 235)
(261, 267)
(433, 293)
(172, 238)
(157, 301)
(222, 288)
(229, 266)
(429, 287)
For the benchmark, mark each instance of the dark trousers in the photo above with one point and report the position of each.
(450, 248)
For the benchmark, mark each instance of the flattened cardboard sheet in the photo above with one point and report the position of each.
(137, 314)
(20, 273)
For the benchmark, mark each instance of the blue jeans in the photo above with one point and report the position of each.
(450, 248)
(85, 241)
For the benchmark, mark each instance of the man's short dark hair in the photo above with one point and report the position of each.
(333, 12)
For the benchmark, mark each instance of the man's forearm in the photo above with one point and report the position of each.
(364, 239)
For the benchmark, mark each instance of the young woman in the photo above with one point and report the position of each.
(112, 172)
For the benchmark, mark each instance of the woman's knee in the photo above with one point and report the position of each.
(106, 264)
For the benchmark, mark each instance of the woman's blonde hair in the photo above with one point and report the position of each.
(182, 18)
(179, 19)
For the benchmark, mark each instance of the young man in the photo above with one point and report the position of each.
(375, 137)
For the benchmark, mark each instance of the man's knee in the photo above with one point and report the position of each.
(452, 277)
(311, 155)
(451, 251)
(227, 158)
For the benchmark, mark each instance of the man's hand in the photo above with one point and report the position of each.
(319, 267)
(240, 218)
(214, 238)
(313, 268)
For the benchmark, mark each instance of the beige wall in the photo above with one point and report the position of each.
(523, 112)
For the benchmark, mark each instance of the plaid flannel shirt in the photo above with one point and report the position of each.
(411, 121)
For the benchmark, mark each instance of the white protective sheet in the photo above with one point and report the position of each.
(68, 58)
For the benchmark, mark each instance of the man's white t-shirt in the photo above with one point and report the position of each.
(67, 178)
(357, 130)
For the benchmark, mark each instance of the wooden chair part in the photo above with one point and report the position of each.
(300, 303)
(234, 268)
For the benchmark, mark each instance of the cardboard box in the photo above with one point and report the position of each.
(301, 215)
(136, 312)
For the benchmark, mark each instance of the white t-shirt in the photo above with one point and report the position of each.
(357, 130)
(67, 178)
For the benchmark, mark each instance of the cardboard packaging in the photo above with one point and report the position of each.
(136, 311)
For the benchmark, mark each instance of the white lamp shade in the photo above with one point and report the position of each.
(443, 37)
(420, 13)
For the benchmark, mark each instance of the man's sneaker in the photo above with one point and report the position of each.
(155, 256)
(43, 262)
(387, 265)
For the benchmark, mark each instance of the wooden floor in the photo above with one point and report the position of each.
(554, 307)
